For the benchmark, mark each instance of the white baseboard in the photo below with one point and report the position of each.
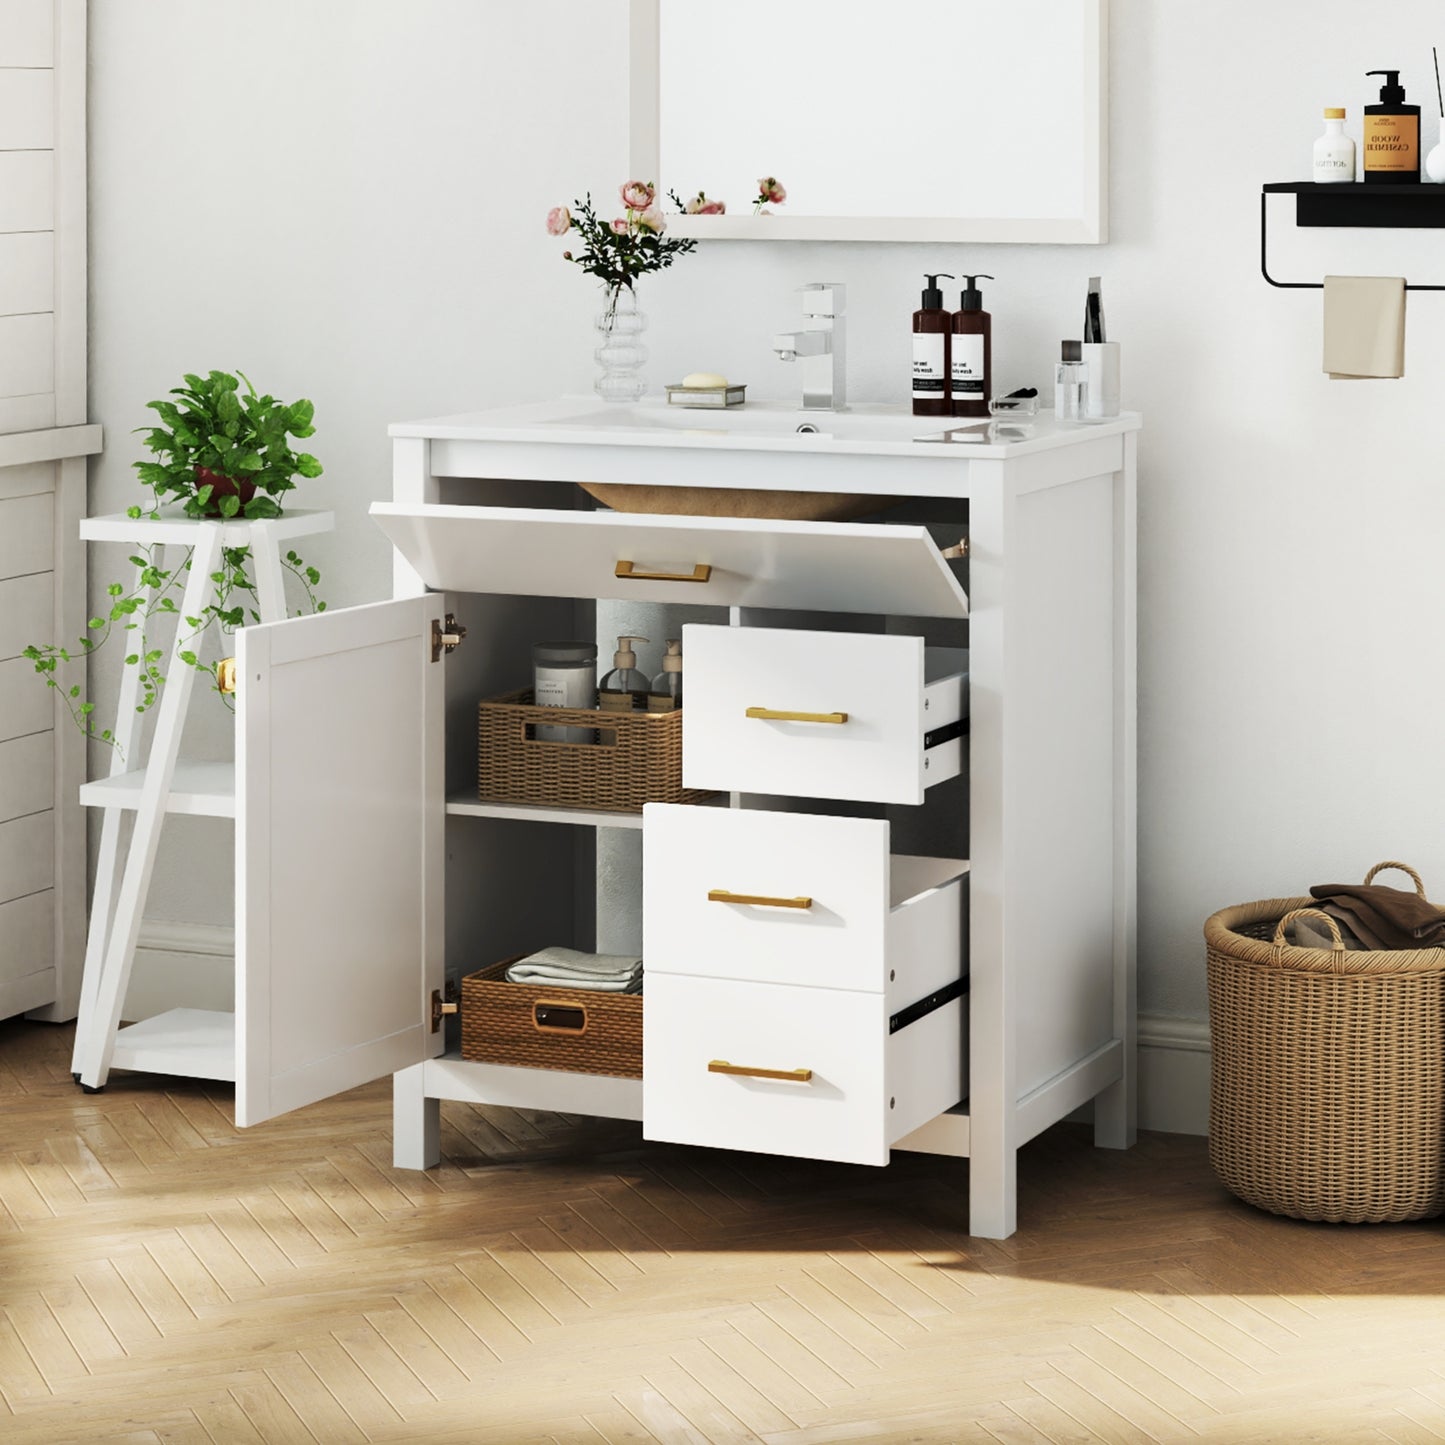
(191, 965)
(1173, 1074)
(181, 965)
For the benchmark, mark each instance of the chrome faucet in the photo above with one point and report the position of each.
(820, 347)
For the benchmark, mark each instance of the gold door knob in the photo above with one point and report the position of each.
(226, 675)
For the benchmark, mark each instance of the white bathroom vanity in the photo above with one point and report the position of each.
(965, 975)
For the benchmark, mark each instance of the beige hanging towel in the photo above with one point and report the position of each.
(1364, 327)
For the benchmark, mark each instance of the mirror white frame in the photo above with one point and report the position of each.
(1090, 227)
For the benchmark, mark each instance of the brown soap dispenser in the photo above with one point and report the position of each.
(1392, 136)
(971, 355)
(931, 352)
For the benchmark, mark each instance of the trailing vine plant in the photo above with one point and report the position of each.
(219, 453)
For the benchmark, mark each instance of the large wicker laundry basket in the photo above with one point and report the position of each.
(1327, 1096)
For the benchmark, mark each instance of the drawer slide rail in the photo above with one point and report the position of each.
(927, 1005)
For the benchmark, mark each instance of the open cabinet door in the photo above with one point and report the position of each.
(339, 851)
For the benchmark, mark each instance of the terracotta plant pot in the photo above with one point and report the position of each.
(223, 487)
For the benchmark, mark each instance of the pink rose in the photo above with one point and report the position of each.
(638, 195)
(700, 205)
(653, 220)
(621, 226)
(771, 189)
(559, 221)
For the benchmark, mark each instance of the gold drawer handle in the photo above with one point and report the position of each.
(758, 900)
(773, 715)
(226, 675)
(628, 571)
(721, 1066)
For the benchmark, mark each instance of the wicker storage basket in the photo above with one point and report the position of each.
(636, 759)
(1327, 1097)
(538, 1026)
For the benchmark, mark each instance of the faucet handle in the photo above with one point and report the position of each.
(824, 298)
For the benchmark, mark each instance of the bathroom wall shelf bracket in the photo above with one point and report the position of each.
(1353, 205)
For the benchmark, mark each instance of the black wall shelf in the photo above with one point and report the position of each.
(1353, 204)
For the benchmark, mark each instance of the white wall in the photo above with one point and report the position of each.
(347, 202)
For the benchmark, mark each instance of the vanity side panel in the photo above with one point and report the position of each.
(1059, 757)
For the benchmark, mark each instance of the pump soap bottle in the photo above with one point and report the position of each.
(931, 351)
(1392, 136)
(624, 689)
(972, 351)
(666, 692)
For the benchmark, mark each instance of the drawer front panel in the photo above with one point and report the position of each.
(27, 611)
(860, 735)
(27, 936)
(27, 542)
(27, 33)
(25, 701)
(27, 775)
(839, 1112)
(27, 109)
(838, 866)
(27, 855)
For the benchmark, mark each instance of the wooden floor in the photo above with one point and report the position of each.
(166, 1278)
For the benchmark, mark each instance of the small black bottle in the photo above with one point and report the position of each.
(1392, 136)
(931, 352)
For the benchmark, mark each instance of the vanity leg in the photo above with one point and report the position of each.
(1116, 1109)
(416, 1121)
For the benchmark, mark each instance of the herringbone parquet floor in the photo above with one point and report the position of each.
(164, 1277)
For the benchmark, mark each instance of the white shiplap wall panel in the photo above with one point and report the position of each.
(27, 110)
(27, 33)
(27, 190)
(27, 272)
(27, 354)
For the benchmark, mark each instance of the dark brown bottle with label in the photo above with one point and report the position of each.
(931, 352)
(971, 354)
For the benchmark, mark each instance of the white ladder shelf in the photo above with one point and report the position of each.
(190, 1042)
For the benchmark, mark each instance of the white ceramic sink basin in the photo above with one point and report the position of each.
(760, 420)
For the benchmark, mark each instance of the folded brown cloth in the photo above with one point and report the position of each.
(1384, 918)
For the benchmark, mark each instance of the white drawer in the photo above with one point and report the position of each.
(26, 704)
(27, 535)
(703, 561)
(27, 775)
(27, 611)
(813, 1073)
(27, 272)
(796, 898)
(862, 716)
(27, 354)
(27, 855)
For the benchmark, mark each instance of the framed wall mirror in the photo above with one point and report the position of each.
(931, 120)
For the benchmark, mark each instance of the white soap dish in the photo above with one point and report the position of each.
(706, 396)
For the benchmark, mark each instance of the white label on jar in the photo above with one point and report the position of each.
(928, 374)
(549, 692)
(968, 365)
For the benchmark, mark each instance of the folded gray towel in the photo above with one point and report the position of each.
(570, 968)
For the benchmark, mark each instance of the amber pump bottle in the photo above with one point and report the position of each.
(1392, 136)
(971, 354)
(931, 351)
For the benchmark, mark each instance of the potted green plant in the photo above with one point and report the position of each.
(220, 452)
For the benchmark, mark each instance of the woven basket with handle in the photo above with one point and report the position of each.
(1327, 1097)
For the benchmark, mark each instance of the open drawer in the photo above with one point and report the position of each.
(711, 561)
(796, 898)
(862, 716)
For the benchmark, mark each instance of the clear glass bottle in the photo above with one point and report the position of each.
(1334, 150)
(624, 689)
(666, 692)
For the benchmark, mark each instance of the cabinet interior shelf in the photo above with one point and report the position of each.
(1358, 204)
(467, 805)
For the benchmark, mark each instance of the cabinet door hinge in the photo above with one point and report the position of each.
(441, 1004)
(446, 637)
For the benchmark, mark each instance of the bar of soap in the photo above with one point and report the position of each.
(704, 381)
